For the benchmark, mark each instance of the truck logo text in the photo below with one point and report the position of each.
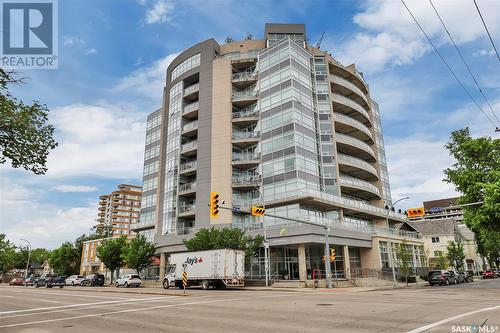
(194, 260)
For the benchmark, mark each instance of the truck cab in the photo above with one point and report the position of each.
(169, 279)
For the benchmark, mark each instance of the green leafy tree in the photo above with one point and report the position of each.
(442, 261)
(38, 255)
(7, 254)
(212, 239)
(110, 251)
(491, 247)
(65, 259)
(456, 254)
(228, 40)
(403, 258)
(138, 253)
(26, 138)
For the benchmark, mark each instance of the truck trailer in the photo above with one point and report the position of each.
(213, 268)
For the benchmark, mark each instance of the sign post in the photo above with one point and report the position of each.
(184, 277)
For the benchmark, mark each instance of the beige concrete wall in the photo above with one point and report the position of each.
(370, 258)
(243, 46)
(221, 168)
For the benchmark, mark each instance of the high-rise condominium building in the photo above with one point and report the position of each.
(280, 122)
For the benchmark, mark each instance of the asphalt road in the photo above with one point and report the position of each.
(429, 309)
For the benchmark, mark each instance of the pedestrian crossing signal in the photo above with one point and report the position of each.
(214, 204)
(332, 255)
(258, 211)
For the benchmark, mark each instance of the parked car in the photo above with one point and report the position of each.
(16, 282)
(129, 280)
(497, 272)
(455, 278)
(467, 277)
(74, 280)
(50, 280)
(488, 275)
(94, 280)
(30, 280)
(441, 277)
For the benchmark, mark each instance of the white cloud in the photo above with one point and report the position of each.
(99, 140)
(73, 40)
(74, 188)
(389, 35)
(90, 51)
(160, 12)
(147, 81)
(483, 52)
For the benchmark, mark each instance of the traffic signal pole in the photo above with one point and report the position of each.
(327, 243)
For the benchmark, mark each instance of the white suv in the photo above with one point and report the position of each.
(75, 280)
(129, 280)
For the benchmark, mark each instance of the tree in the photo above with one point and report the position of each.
(442, 261)
(26, 138)
(7, 254)
(491, 247)
(138, 253)
(456, 254)
(248, 36)
(212, 239)
(110, 252)
(228, 40)
(64, 260)
(38, 255)
(404, 257)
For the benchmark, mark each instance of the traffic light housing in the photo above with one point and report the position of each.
(214, 204)
(415, 212)
(258, 211)
(332, 255)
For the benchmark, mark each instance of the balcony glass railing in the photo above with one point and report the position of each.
(250, 92)
(244, 114)
(191, 89)
(354, 142)
(190, 125)
(351, 86)
(242, 55)
(357, 162)
(187, 187)
(350, 103)
(353, 123)
(247, 75)
(191, 107)
(246, 180)
(246, 157)
(188, 165)
(358, 183)
(245, 135)
(189, 145)
(187, 208)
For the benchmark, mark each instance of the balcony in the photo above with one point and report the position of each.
(345, 105)
(190, 129)
(191, 110)
(357, 79)
(245, 182)
(186, 210)
(245, 139)
(189, 148)
(245, 160)
(187, 189)
(359, 187)
(351, 146)
(360, 96)
(142, 226)
(246, 97)
(244, 79)
(347, 125)
(191, 92)
(188, 168)
(357, 167)
(246, 116)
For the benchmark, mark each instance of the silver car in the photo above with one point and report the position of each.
(74, 280)
(129, 280)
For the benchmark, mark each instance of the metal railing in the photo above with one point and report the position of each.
(190, 125)
(187, 208)
(187, 187)
(246, 180)
(245, 157)
(191, 89)
(342, 138)
(250, 92)
(191, 107)
(188, 165)
(244, 114)
(185, 231)
(352, 122)
(358, 183)
(240, 56)
(358, 162)
(237, 135)
(351, 86)
(350, 103)
(246, 75)
(189, 145)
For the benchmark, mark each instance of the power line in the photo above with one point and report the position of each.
(463, 60)
(447, 65)
(486, 28)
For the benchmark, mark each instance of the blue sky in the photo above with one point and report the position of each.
(112, 61)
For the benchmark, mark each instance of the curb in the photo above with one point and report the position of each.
(134, 292)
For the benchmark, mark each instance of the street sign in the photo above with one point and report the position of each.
(266, 245)
(184, 279)
(416, 212)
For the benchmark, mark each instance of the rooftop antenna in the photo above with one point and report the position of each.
(318, 44)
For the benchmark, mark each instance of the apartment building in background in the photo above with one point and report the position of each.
(117, 211)
(279, 122)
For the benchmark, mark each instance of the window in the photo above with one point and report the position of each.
(438, 253)
(435, 239)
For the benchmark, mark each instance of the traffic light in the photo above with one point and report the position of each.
(258, 211)
(214, 204)
(323, 258)
(332, 255)
(415, 212)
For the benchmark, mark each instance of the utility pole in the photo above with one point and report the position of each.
(391, 251)
(28, 262)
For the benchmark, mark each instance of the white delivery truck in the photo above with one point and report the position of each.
(216, 268)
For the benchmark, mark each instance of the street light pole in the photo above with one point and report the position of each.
(28, 263)
(391, 254)
(266, 242)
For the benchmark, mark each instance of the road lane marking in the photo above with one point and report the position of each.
(444, 321)
(8, 296)
(55, 293)
(76, 305)
(82, 308)
(49, 300)
(137, 310)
